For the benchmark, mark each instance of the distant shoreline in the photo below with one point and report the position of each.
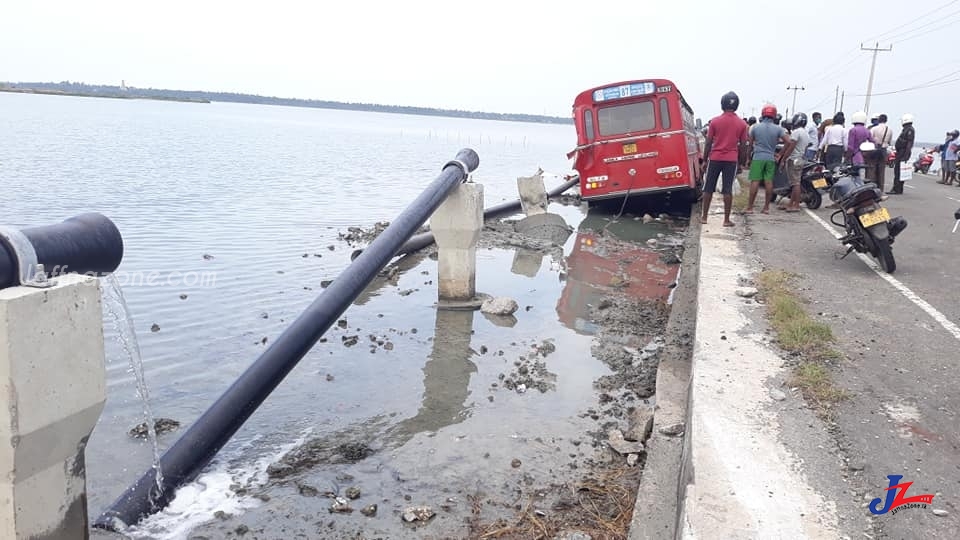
(198, 96)
(51, 92)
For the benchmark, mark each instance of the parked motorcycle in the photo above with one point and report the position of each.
(924, 162)
(869, 227)
(813, 178)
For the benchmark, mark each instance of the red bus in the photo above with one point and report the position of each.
(635, 139)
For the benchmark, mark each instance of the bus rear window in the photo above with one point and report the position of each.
(665, 113)
(629, 118)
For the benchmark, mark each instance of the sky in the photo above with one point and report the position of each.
(519, 56)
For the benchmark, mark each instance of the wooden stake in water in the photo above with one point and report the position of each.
(116, 306)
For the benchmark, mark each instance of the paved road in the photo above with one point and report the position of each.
(901, 340)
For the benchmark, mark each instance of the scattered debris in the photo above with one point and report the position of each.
(673, 430)
(617, 442)
(264, 315)
(746, 292)
(418, 513)
(940, 513)
(641, 424)
(353, 493)
(183, 297)
(350, 341)
(647, 218)
(155, 327)
(160, 426)
(632, 459)
(325, 283)
(369, 511)
(207, 257)
(329, 377)
(340, 506)
(778, 395)
(499, 306)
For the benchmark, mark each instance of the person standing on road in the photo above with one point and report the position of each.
(764, 138)
(795, 161)
(949, 166)
(903, 147)
(877, 161)
(726, 136)
(858, 135)
(814, 135)
(834, 142)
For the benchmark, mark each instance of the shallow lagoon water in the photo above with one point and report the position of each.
(236, 195)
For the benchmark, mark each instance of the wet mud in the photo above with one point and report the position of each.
(512, 437)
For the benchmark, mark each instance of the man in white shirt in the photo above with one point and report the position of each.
(834, 143)
(876, 163)
(814, 134)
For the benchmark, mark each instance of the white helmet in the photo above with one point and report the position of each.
(906, 119)
(859, 117)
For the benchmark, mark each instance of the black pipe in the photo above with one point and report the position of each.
(197, 446)
(87, 243)
(422, 240)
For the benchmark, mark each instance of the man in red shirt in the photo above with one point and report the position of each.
(725, 136)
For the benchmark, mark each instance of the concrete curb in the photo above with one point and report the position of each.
(739, 479)
(661, 491)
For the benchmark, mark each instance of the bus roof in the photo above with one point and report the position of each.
(624, 89)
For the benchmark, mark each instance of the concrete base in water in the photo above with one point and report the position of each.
(52, 390)
(456, 225)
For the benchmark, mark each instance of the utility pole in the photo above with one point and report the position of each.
(842, 95)
(836, 99)
(795, 88)
(876, 48)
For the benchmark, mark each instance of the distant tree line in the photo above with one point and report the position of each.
(78, 88)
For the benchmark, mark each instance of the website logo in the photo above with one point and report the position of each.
(897, 498)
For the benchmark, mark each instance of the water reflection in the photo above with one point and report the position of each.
(609, 255)
(446, 378)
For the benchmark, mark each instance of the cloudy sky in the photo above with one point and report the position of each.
(530, 56)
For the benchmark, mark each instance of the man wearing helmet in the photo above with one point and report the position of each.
(858, 135)
(801, 139)
(725, 137)
(903, 147)
(764, 137)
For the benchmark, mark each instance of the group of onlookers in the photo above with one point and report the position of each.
(734, 143)
(949, 151)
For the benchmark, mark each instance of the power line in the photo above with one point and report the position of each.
(885, 35)
(927, 33)
(928, 84)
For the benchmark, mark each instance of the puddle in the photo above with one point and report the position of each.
(495, 426)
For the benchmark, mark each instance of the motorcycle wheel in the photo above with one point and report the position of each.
(815, 200)
(885, 255)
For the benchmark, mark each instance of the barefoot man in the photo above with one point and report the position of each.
(765, 137)
(725, 136)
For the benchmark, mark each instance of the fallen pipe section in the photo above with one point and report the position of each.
(184, 461)
(84, 244)
(422, 240)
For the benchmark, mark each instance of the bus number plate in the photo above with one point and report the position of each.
(630, 148)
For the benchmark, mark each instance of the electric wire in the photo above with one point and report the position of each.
(911, 21)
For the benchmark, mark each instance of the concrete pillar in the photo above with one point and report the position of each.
(456, 226)
(52, 390)
(533, 196)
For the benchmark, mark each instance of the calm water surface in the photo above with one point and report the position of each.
(238, 208)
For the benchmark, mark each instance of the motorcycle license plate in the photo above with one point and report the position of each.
(820, 183)
(630, 148)
(879, 215)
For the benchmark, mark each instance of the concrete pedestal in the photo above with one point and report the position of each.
(456, 225)
(52, 390)
(533, 195)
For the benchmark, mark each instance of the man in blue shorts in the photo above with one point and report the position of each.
(764, 137)
(726, 135)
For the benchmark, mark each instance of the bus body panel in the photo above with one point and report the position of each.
(635, 138)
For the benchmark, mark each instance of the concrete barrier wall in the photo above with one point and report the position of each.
(52, 391)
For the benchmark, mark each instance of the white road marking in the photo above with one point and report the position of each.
(948, 325)
(911, 187)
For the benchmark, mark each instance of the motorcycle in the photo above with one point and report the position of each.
(924, 162)
(813, 178)
(869, 227)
